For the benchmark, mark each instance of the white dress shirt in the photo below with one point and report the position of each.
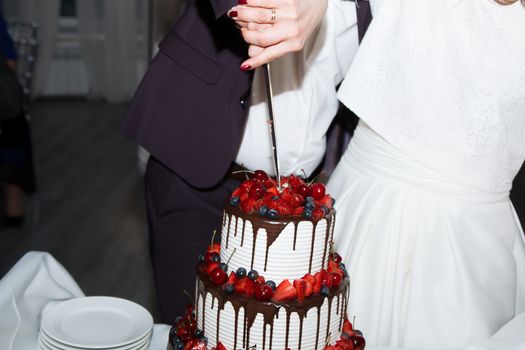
(444, 81)
(305, 102)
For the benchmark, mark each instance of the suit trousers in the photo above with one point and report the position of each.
(181, 221)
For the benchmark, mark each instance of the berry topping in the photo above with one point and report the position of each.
(271, 284)
(218, 276)
(336, 279)
(263, 210)
(325, 291)
(284, 292)
(318, 191)
(256, 191)
(304, 190)
(219, 347)
(228, 288)
(241, 272)
(260, 175)
(300, 287)
(253, 275)
(263, 292)
(235, 201)
(245, 286)
(273, 214)
(261, 195)
(210, 267)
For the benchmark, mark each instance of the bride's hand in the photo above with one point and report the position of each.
(274, 28)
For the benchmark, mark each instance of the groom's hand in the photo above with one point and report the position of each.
(274, 28)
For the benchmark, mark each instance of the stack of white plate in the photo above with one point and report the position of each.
(96, 323)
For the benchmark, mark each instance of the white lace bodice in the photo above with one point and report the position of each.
(444, 81)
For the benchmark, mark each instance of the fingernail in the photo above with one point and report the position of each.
(242, 2)
(233, 14)
(246, 67)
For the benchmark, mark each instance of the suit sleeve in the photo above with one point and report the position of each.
(220, 7)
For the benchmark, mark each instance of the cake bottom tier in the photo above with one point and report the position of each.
(240, 323)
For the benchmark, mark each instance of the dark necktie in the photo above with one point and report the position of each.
(364, 17)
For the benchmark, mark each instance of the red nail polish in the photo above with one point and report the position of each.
(233, 14)
(243, 2)
(246, 67)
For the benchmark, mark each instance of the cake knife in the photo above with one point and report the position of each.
(271, 122)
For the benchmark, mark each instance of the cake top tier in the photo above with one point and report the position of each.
(260, 195)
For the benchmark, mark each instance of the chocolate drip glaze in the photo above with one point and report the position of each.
(274, 228)
(243, 228)
(218, 323)
(236, 325)
(312, 248)
(269, 310)
(329, 318)
(295, 236)
(228, 230)
(287, 329)
(327, 241)
(318, 326)
(300, 332)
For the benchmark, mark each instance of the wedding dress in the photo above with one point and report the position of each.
(434, 248)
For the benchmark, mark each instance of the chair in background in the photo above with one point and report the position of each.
(25, 36)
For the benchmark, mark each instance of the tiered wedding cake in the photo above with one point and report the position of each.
(273, 282)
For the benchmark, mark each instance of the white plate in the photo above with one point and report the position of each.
(45, 346)
(97, 323)
(50, 342)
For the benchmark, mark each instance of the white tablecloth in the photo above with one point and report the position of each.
(38, 280)
(34, 283)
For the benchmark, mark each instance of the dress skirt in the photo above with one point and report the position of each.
(433, 263)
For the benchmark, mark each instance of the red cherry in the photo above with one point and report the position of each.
(256, 191)
(336, 279)
(260, 175)
(218, 276)
(318, 191)
(295, 181)
(263, 292)
(304, 190)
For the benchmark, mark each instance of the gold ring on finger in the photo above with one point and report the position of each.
(274, 17)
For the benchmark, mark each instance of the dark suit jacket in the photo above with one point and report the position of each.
(190, 109)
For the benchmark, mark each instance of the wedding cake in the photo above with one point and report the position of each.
(274, 281)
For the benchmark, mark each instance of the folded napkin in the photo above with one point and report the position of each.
(36, 281)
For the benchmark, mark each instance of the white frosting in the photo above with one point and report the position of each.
(283, 261)
(328, 330)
